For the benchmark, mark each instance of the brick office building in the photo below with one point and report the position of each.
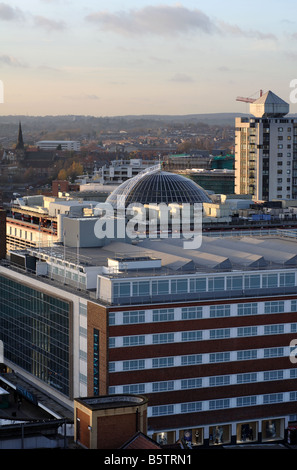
(204, 335)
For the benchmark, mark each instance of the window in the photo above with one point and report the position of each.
(134, 364)
(248, 377)
(160, 287)
(269, 280)
(163, 362)
(161, 338)
(247, 331)
(163, 315)
(141, 288)
(121, 289)
(191, 407)
(112, 318)
(162, 410)
(136, 316)
(219, 404)
(133, 340)
(163, 386)
(219, 380)
(273, 375)
(191, 313)
(247, 309)
(247, 355)
(198, 285)
(246, 401)
(252, 281)
(277, 306)
(191, 360)
(220, 333)
(273, 329)
(273, 352)
(234, 282)
(191, 383)
(134, 389)
(191, 335)
(83, 331)
(219, 357)
(219, 311)
(273, 398)
(112, 343)
(96, 337)
(179, 286)
(216, 284)
(287, 279)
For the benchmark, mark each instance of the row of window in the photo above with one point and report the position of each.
(202, 284)
(223, 403)
(196, 359)
(201, 335)
(67, 274)
(34, 328)
(204, 382)
(19, 233)
(198, 312)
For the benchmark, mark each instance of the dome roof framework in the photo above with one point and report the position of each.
(154, 186)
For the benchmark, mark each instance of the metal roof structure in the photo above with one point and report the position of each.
(154, 186)
(214, 255)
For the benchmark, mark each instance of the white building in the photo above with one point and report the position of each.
(73, 145)
(264, 151)
(120, 170)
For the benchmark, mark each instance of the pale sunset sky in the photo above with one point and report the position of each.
(116, 57)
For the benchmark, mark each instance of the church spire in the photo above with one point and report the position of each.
(20, 142)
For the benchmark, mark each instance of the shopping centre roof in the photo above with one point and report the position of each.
(215, 254)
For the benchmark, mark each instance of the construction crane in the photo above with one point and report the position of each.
(248, 100)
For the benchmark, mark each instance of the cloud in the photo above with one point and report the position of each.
(11, 61)
(158, 20)
(49, 24)
(165, 20)
(235, 30)
(8, 13)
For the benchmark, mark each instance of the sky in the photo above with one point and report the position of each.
(135, 57)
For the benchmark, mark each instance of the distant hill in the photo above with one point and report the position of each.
(72, 127)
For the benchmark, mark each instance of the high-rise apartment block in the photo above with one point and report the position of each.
(265, 154)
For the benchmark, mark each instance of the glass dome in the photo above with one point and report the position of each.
(157, 186)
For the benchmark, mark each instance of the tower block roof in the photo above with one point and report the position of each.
(269, 105)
